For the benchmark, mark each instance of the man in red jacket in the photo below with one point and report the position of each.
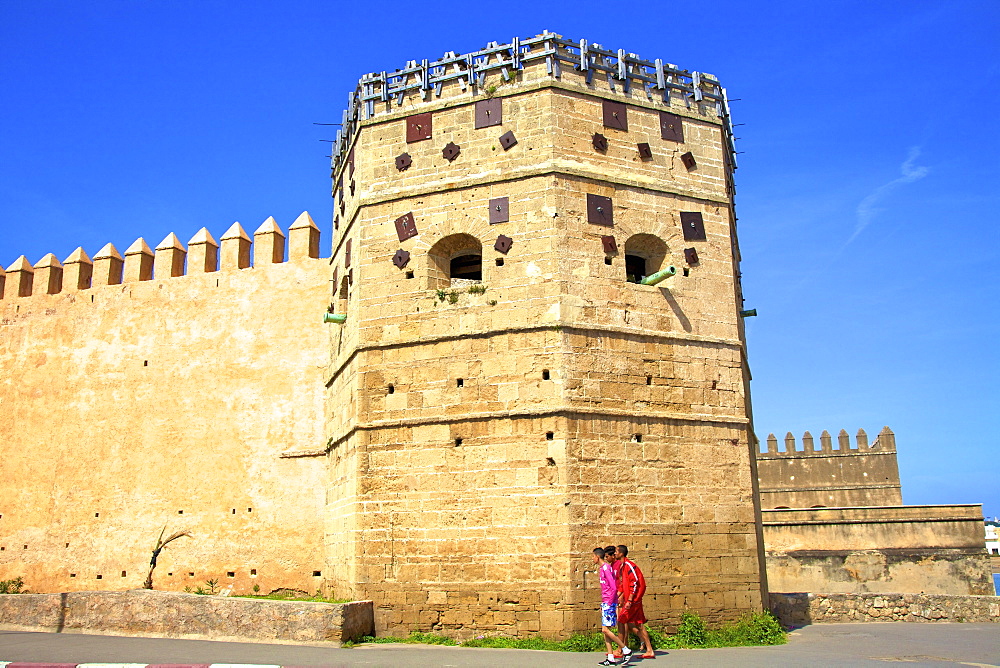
(631, 587)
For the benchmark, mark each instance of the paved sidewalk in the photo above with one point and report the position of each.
(871, 644)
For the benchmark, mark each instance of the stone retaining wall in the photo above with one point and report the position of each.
(159, 614)
(803, 609)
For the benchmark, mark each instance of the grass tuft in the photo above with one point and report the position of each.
(752, 629)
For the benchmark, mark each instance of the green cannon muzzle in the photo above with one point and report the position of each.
(653, 279)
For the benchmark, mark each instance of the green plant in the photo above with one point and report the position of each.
(12, 586)
(752, 629)
(210, 589)
(453, 297)
(692, 631)
(492, 302)
(256, 589)
(441, 294)
(490, 90)
(477, 289)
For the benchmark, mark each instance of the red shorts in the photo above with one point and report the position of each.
(633, 614)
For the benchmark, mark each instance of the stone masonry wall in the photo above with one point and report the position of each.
(167, 402)
(910, 549)
(496, 438)
(822, 475)
(800, 609)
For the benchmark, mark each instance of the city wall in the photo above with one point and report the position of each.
(830, 475)
(160, 389)
(895, 549)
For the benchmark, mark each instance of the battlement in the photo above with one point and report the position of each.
(545, 56)
(884, 442)
(170, 259)
(860, 475)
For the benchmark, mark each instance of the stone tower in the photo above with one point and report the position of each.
(535, 250)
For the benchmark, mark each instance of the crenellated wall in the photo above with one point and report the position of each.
(858, 474)
(160, 389)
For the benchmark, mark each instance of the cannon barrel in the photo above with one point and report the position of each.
(653, 279)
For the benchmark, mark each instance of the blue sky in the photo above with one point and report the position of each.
(867, 187)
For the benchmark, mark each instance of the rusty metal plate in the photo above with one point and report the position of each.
(691, 255)
(610, 245)
(401, 258)
(615, 115)
(342, 207)
(503, 244)
(508, 140)
(451, 151)
(352, 188)
(600, 141)
(347, 253)
(418, 127)
(645, 152)
(671, 127)
(488, 113)
(403, 162)
(340, 188)
(350, 162)
(499, 210)
(689, 161)
(693, 226)
(599, 210)
(406, 227)
(350, 277)
(336, 222)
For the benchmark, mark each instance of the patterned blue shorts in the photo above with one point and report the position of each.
(609, 614)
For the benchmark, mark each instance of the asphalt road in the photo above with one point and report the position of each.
(872, 644)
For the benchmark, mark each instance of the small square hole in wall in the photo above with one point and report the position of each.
(637, 438)
(170, 575)
(549, 435)
(715, 384)
(499, 261)
(607, 260)
(190, 575)
(67, 544)
(97, 514)
(145, 362)
(649, 380)
(458, 442)
(409, 274)
(100, 577)
(124, 574)
(249, 510)
(460, 382)
(253, 572)
(549, 461)
(26, 547)
(72, 575)
(391, 389)
(234, 511)
(545, 374)
(180, 512)
(687, 272)
(3, 548)
(317, 574)
(230, 574)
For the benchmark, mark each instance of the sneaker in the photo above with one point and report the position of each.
(608, 662)
(626, 653)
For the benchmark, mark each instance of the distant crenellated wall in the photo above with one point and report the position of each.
(160, 389)
(826, 476)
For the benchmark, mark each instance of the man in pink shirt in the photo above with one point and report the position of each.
(609, 604)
